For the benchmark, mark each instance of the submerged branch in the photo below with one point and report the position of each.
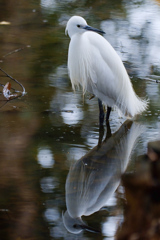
(152, 80)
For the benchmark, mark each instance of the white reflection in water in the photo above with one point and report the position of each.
(48, 184)
(45, 157)
(153, 92)
(152, 134)
(137, 38)
(93, 179)
(59, 77)
(69, 105)
(110, 226)
(91, 140)
(112, 201)
(51, 214)
(48, 4)
(75, 153)
(71, 114)
(53, 5)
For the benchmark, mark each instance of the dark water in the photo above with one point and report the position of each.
(52, 132)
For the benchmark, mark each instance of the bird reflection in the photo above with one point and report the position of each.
(93, 179)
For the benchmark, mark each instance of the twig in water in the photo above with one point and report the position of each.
(15, 51)
(14, 80)
(6, 101)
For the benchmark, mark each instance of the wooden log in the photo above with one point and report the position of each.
(142, 192)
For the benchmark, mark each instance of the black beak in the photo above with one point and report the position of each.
(89, 28)
(87, 228)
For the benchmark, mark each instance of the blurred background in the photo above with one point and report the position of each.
(44, 133)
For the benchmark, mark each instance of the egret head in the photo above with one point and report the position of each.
(77, 24)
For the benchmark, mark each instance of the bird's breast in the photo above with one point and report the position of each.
(79, 62)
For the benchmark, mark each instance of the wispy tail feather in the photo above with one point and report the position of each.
(132, 106)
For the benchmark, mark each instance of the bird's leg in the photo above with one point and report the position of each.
(101, 134)
(108, 113)
(109, 133)
(101, 112)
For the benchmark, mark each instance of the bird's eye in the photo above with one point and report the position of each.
(78, 26)
(75, 225)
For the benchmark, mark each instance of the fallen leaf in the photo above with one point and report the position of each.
(6, 91)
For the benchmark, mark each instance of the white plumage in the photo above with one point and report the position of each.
(95, 66)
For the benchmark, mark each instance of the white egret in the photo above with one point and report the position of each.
(94, 65)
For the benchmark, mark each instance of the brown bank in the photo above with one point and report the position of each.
(142, 192)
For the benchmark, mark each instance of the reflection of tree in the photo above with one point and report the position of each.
(104, 9)
(19, 211)
(94, 178)
(18, 208)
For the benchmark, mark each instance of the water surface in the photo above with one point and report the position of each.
(49, 136)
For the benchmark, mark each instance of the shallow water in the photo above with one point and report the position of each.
(45, 133)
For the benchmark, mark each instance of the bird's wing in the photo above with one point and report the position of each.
(106, 68)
